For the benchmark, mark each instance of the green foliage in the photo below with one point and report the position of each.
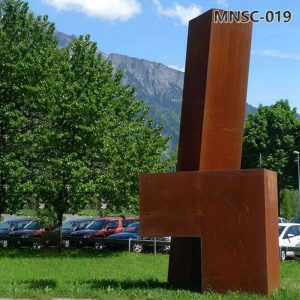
(101, 212)
(96, 138)
(71, 133)
(289, 203)
(171, 120)
(274, 133)
(26, 212)
(26, 50)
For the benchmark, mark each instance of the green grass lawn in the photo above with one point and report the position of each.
(108, 275)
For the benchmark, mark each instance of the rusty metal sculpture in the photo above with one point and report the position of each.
(223, 220)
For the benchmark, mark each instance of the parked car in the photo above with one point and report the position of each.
(35, 234)
(289, 236)
(71, 226)
(100, 228)
(297, 251)
(282, 220)
(132, 231)
(6, 227)
(295, 220)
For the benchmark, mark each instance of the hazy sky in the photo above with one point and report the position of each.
(156, 30)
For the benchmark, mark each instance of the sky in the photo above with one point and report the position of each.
(156, 30)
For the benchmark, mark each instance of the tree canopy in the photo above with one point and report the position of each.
(27, 44)
(71, 132)
(273, 134)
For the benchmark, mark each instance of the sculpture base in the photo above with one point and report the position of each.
(235, 214)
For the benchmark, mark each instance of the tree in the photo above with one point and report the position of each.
(80, 136)
(273, 133)
(27, 45)
(96, 138)
(289, 203)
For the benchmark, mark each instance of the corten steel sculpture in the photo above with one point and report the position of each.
(223, 220)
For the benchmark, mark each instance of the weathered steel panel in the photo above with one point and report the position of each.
(187, 205)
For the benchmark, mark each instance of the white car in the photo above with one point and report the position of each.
(289, 236)
(297, 251)
(282, 220)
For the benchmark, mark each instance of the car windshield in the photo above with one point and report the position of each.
(281, 228)
(132, 228)
(5, 225)
(97, 224)
(68, 225)
(295, 220)
(33, 225)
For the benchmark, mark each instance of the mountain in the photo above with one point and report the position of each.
(158, 85)
(64, 39)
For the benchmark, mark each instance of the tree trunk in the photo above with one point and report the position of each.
(60, 219)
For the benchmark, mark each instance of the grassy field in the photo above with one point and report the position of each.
(108, 275)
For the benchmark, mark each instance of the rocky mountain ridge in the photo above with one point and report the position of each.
(160, 86)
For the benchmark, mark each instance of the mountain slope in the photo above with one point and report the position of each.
(160, 86)
(64, 39)
(153, 81)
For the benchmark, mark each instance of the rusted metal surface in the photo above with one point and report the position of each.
(234, 213)
(213, 111)
(214, 96)
(189, 206)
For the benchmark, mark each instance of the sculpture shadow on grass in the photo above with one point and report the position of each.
(134, 284)
(125, 284)
(40, 283)
(102, 284)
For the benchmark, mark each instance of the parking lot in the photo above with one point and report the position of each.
(114, 233)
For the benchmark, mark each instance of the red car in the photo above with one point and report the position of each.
(102, 228)
(34, 229)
